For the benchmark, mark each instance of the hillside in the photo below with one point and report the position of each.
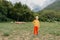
(54, 6)
(51, 12)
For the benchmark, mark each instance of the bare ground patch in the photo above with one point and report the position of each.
(25, 35)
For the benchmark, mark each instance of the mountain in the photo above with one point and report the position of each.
(36, 8)
(54, 6)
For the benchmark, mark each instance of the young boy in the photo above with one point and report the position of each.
(36, 25)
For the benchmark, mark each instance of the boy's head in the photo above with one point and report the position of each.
(36, 17)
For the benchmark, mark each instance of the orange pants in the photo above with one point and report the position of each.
(35, 30)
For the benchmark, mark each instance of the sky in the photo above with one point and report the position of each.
(35, 5)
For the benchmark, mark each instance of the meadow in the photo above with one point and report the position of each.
(12, 31)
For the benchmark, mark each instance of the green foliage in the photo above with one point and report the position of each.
(16, 12)
(3, 18)
(19, 12)
(5, 34)
(49, 16)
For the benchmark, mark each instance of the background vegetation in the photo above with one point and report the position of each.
(19, 12)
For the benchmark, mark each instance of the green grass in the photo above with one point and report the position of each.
(52, 28)
(26, 30)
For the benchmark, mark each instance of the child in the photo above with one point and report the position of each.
(36, 25)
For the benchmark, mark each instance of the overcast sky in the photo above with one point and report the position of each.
(32, 4)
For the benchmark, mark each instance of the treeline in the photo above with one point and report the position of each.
(15, 12)
(49, 15)
(19, 12)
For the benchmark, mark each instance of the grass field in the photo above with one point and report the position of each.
(12, 31)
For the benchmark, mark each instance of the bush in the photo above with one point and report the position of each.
(4, 19)
(6, 34)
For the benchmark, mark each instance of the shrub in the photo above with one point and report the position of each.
(6, 34)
